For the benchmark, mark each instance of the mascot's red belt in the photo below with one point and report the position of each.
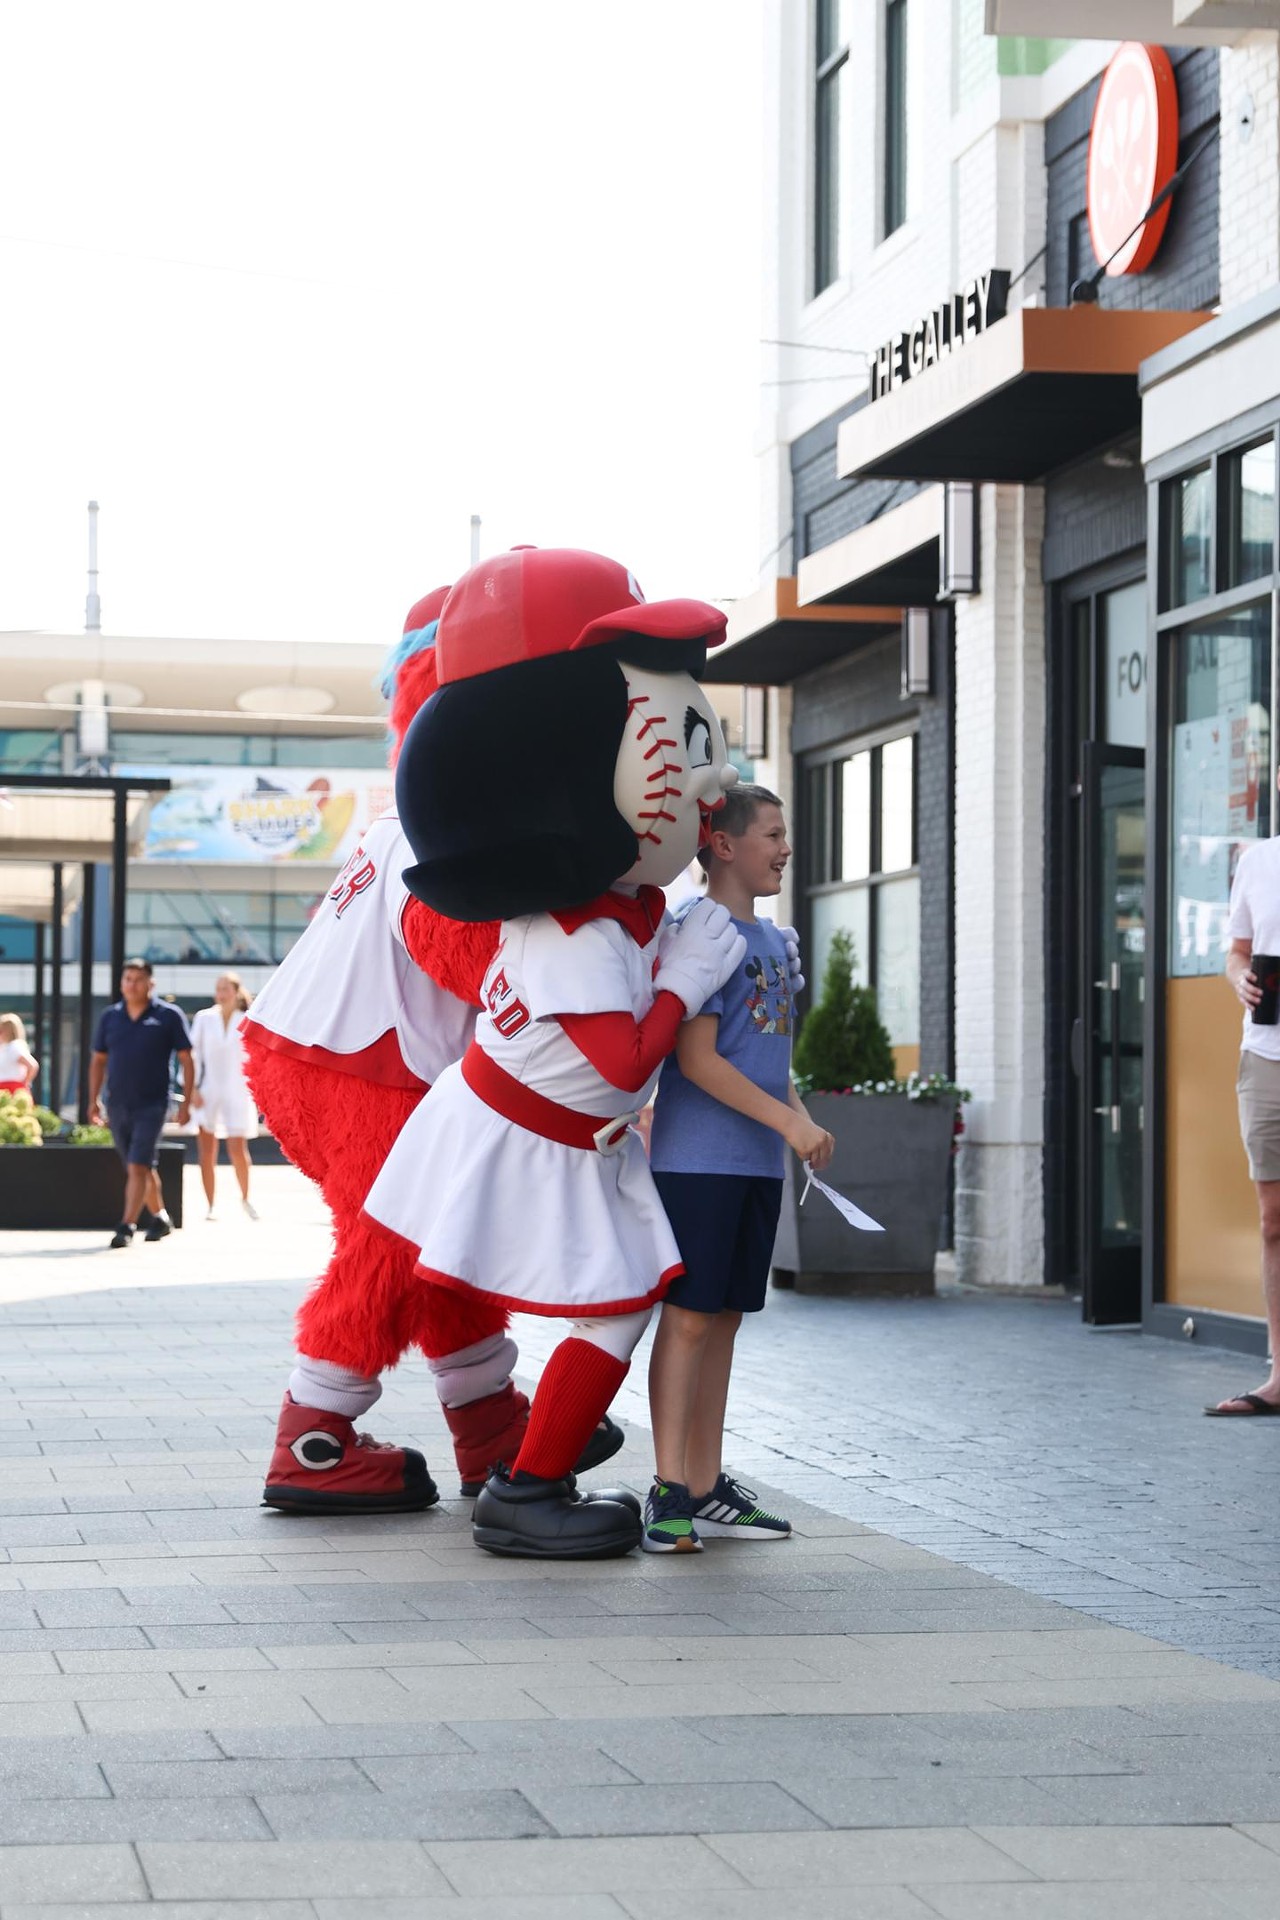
(535, 1113)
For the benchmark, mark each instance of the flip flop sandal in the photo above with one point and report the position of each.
(1255, 1403)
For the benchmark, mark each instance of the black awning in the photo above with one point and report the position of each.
(1042, 387)
(773, 640)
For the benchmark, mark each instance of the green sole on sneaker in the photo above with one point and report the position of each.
(669, 1546)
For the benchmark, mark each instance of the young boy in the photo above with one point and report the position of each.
(724, 1109)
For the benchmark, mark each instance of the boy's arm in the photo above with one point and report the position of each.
(700, 1063)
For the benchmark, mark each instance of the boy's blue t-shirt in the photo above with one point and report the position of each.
(692, 1133)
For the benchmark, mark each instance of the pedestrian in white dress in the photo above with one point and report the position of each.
(223, 1103)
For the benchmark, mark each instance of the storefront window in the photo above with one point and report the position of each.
(30, 750)
(898, 958)
(203, 926)
(137, 748)
(1250, 513)
(1221, 786)
(859, 840)
(855, 817)
(1122, 616)
(897, 805)
(1189, 538)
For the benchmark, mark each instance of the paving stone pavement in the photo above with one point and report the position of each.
(972, 1686)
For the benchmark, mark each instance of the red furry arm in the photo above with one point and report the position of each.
(624, 1050)
(453, 953)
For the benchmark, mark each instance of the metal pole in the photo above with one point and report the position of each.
(37, 1012)
(55, 995)
(92, 605)
(86, 991)
(119, 881)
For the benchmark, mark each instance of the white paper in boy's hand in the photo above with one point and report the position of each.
(854, 1215)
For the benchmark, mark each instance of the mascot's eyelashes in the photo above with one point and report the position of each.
(697, 738)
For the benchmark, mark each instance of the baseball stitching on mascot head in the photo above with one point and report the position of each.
(569, 747)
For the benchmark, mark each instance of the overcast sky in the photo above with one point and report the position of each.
(294, 289)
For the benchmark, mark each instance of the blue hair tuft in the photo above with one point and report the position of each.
(417, 640)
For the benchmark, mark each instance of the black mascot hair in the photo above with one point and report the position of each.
(505, 782)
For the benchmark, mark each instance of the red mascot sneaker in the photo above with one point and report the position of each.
(489, 1432)
(322, 1465)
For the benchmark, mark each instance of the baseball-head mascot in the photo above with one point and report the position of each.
(564, 771)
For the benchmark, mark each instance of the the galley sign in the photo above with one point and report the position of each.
(954, 324)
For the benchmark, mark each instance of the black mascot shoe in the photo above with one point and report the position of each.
(530, 1519)
(620, 1496)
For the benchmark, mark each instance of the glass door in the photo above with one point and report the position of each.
(1112, 958)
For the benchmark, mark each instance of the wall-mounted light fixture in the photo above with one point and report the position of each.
(917, 652)
(959, 540)
(755, 722)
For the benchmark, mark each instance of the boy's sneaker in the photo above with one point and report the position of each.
(123, 1235)
(668, 1520)
(729, 1512)
(160, 1227)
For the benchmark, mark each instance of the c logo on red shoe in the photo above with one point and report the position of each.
(316, 1449)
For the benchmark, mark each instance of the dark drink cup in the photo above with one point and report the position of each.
(1265, 968)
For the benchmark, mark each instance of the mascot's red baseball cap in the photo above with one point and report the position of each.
(536, 601)
(424, 611)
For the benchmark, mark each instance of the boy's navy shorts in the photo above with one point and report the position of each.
(724, 1225)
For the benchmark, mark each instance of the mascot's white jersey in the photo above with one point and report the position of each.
(514, 1212)
(350, 983)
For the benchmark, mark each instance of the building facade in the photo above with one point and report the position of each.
(998, 539)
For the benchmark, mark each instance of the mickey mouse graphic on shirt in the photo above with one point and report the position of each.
(769, 1002)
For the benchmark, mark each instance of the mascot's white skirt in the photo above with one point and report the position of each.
(532, 1224)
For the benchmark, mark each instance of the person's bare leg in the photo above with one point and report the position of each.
(135, 1193)
(155, 1197)
(1268, 1192)
(705, 1445)
(208, 1165)
(675, 1365)
(238, 1153)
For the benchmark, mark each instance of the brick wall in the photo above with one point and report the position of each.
(1184, 274)
(1250, 223)
(1094, 511)
(824, 507)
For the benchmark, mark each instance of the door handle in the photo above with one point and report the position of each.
(1115, 1116)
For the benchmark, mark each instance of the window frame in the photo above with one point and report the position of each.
(893, 144)
(829, 70)
(823, 850)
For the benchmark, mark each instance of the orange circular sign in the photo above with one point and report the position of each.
(1133, 152)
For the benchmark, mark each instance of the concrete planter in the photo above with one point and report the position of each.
(57, 1185)
(892, 1158)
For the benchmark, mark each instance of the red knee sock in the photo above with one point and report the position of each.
(577, 1385)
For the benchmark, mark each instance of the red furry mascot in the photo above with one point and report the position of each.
(560, 777)
(374, 1001)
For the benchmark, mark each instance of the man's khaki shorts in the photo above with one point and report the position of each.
(1258, 1094)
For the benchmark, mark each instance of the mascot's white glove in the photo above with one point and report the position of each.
(791, 940)
(697, 956)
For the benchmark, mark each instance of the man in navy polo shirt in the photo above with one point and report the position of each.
(131, 1050)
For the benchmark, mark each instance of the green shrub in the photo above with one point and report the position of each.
(843, 1042)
